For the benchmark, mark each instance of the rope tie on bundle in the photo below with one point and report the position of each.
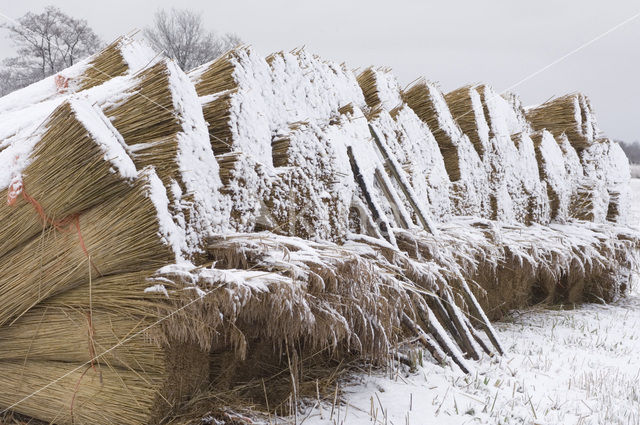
(16, 188)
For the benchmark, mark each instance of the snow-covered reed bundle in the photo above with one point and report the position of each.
(217, 76)
(469, 180)
(150, 113)
(128, 232)
(497, 153)
(499, 133)
(419, 155)
(511, 265)
(570, 114)
(108, 63)
(410, 152)
(513, 147)
(352, 299)
(553, 172)
(124, 56)
(380, 88)
(618, 177)
(217, 114)
(466, 107)
(75, 163)
(282, 289)
(591, 199)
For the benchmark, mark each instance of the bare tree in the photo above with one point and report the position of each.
(46, 43)
(181, 35)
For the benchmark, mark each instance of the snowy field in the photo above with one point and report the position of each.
(577, 366)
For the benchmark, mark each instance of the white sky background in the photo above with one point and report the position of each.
(454, 42)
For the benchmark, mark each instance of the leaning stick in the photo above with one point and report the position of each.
(425, 340)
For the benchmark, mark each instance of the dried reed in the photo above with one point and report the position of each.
(67, 175)
(419, 98)
(368, 82)
(121, 235)
(570, 114)
(148, 114)
(88, 395)
(105, 65)
(218, 75)
(461, 105)
(217, 115)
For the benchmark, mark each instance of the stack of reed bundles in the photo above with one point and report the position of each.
(114, 365)
(390, 283)
(119, 235)
(419, 97)
(469, 192)
(308, 198)
(570, 114)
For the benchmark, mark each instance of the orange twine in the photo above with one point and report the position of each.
(62, 83)
(17, 187)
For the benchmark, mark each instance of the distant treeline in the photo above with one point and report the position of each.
(632, 150)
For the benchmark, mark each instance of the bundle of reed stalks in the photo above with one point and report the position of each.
(467, 109)
(216, 113)
(322, 267)
(570, 114)
(75, 393)
(68, 173)
(71, 392)
(552, 171)
(227, 163)
(105, 65)
(369, 84)
(149, 111)
(280, 150)
(216, 76)
(120, 235)
(104, 329)
(419, 97)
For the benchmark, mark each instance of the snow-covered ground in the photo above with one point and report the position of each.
(578, 366)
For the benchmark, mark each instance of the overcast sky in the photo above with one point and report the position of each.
(452, 42)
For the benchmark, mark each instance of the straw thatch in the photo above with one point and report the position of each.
(570, 114)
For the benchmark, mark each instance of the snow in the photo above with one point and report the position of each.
(563, 366)
(171, 234)
(198, 169)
